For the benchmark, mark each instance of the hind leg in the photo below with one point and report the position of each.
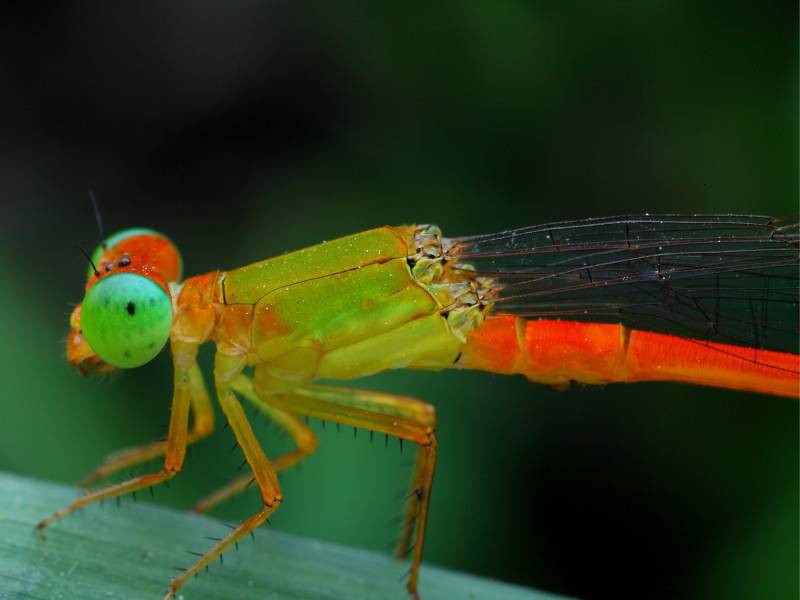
(405, 418)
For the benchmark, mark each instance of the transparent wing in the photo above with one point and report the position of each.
(723, 278)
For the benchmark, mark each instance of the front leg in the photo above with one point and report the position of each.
(202, 426)
(184, 356)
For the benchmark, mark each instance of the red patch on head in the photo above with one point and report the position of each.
(149, 255)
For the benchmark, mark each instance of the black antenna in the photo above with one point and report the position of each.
(89, 258)
(99, 220)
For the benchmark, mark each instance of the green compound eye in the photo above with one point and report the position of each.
(126, 319)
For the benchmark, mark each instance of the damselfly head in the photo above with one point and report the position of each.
(126, 314)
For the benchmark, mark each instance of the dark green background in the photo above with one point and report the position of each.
(256, 128)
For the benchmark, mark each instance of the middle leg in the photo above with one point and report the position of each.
(303, 436)
(226, 369)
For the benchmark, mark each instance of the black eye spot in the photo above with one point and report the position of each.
(124, 262)
(131, 308)
(109, 266)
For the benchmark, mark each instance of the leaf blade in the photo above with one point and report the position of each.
(103, 553)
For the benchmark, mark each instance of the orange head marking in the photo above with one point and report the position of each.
(141, 251)
(79, 354)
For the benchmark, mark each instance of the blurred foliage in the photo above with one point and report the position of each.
(247, 129)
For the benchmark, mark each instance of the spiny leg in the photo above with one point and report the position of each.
(423, 474)
(303, 436)
(183, 358)
(406, 418)
(226, 369)
(202, 425)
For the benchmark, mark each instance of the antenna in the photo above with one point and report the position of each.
(99, 220)
(89, 258)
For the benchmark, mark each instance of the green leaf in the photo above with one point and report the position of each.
(103, 552)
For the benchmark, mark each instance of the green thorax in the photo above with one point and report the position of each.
(249, 284)
(358, 305)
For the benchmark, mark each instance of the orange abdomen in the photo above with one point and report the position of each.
(557, 352)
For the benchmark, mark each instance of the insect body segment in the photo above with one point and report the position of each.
(406, 297)
(361, 313)
(557, 353)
